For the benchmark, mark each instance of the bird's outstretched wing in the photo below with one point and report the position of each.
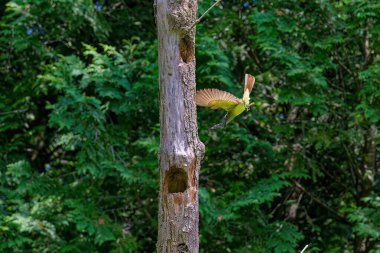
(216, 99)
(249, 81)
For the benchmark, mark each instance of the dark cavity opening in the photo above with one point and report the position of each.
(175, 180)
(186, 49)
(182, 248)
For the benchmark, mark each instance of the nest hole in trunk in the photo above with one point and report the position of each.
(186, 49)
(175, 180)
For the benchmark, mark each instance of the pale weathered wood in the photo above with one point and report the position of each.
(181, 151)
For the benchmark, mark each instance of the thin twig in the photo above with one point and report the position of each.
(339, 215)
(280, 204)
(14, 111)
(310, 155)
(305, 248)
(354, 168)
(204, 14)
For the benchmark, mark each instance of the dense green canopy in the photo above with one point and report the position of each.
(79, 126)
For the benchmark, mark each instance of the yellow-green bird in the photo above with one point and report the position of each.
(218, 99)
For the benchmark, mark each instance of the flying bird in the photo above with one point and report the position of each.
(218, 99)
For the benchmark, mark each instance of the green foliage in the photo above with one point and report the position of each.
(317, 90)
(366, 219)
(71, 124)
(267, 236)
(79, 126)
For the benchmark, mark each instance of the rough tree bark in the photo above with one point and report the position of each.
(181, 151)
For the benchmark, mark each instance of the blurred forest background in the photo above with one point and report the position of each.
(79, 126)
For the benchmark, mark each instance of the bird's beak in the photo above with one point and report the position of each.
(249, 106)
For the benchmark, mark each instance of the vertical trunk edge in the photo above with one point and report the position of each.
(181, 151)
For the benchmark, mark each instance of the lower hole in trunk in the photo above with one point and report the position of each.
(176, 180)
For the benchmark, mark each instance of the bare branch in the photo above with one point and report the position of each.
(339, 215)
(204, 14)
(14, 111)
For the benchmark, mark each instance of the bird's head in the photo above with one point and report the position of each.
(248, 85)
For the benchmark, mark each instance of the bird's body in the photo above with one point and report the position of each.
(237, 110)
(217, 99)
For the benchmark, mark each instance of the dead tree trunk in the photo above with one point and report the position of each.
(181, 151)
